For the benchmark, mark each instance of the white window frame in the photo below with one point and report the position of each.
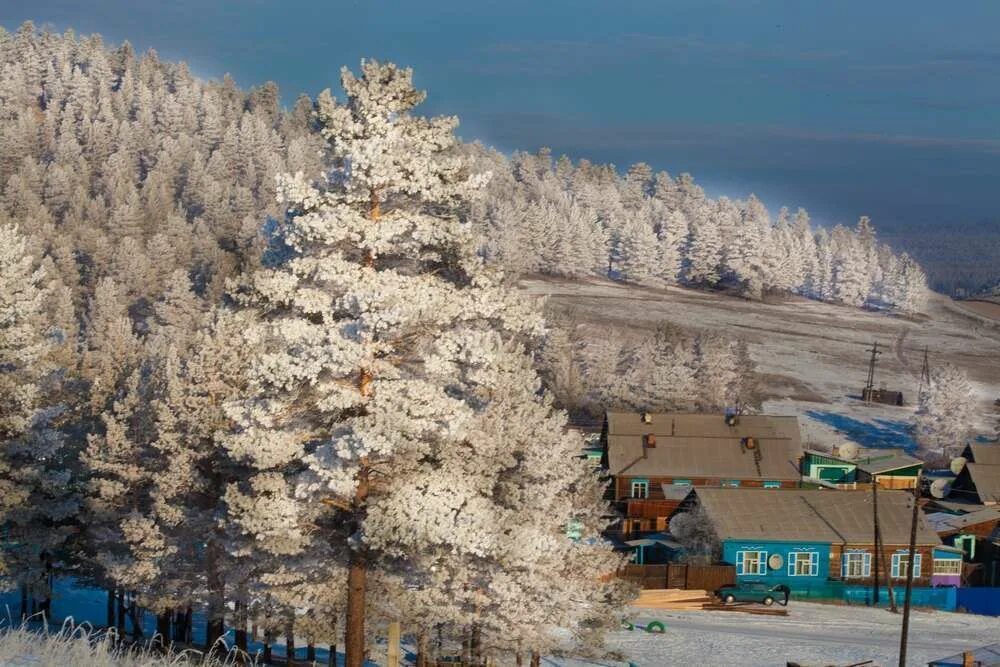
(642, 484)
(742, 560)
(953, 569)
(809, 558)
(862, 557)
(900, 562)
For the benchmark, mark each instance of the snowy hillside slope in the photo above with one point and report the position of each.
(812, 356)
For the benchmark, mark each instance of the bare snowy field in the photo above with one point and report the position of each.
(812, 355)
(811, 634)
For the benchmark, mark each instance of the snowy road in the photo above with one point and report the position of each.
(812, 634)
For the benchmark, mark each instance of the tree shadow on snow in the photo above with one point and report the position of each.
(876, 433)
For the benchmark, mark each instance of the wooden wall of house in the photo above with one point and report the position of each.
(885, 565)
(623, 485)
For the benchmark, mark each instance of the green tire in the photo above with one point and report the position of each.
(628, 626)
(656, 627)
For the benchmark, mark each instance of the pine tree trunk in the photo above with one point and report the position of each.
(357, 581)
(135, 614)
(267, 647)
(179, 626)
(310, 652)
(216, 595)
(111, 608)
(120, 596)
(24, 601)
(475, 645)
(518, 661)
(290, 643)
(241, 625)
(163, 628)
(536, 659)
(422, 649)
(188, 626)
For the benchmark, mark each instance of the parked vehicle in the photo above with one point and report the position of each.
(754, 591)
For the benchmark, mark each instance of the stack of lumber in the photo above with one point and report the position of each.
(672, 598)
(746, 608)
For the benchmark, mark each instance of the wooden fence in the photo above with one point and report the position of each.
(679, 575)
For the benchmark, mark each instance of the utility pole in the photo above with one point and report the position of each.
(870, 385)
(925, 374)
(909, 575)
(875, 525)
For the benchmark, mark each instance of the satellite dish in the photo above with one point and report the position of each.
(957, 464)
(848, 451)
(775, 561)
(940, 488)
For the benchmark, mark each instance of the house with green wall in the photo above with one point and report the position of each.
(846, 467)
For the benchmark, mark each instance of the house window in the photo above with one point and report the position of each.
(803, 564)
(948, 566)
(640, 488)
(857, 564)
(751, 562)
(771, 484)
(731, 482)
(900, 562)
(682, 482)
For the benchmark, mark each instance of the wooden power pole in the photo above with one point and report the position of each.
(909, 574)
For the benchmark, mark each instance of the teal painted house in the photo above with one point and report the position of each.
(819, 539)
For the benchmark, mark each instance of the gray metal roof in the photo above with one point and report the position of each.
(985, 454)
(987, 481)
(703, 445)
(812, 515)
(945, 522)
(874, 462)
(985, 656)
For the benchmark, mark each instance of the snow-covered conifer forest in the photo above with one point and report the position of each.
(264, 361)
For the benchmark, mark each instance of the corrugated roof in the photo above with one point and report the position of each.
(987, 481)
(944, 522)
(700, 445)
(874, 464)
(985, 454)
(812, 515)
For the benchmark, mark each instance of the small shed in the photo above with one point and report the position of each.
(979, 479)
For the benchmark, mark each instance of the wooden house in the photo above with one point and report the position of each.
(974, 530)
(655, 459)
(807, 537)
(889, 468)
(979, 479)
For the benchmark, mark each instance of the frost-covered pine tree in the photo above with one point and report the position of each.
(945, 411)
(371, 339)
(35, 496)
(638, 250)
(704, 248)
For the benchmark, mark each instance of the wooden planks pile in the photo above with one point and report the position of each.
(747, 608)
(672, 598)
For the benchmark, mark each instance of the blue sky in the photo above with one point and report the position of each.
(888, 107)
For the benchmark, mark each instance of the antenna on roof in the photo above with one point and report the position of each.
(848, 451)
(958, 464)
(940, 488)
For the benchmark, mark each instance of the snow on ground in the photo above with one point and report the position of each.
(811, 634)
(813, 356)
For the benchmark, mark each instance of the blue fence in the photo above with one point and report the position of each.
(984, 601)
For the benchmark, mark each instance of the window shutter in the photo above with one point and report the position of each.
(814, 564)
(791, 564)
(843, 566)
(867, 567)
(762, 562)
(916, 565)
(895, 566)
(739, 562)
